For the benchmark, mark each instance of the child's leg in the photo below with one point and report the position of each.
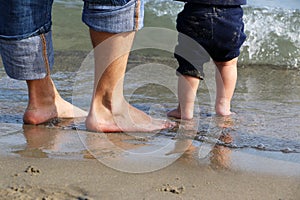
(187, 89)
(226, 77)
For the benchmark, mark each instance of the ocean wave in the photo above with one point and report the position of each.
(273, 36)
(272, 28)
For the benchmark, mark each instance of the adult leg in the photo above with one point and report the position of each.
(226, 77)
(27, 54)
(109, 111)
(25, 60)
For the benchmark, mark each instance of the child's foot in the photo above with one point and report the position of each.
(223, 108)
(176, 113)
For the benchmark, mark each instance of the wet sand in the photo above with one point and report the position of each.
(64, 163)
(34, 178)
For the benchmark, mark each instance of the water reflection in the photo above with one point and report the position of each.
(37, 141)
(140, 152)
(62, 140)
(220, 157)
(210, 147)
(44, 142)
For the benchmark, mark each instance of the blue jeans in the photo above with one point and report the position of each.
(25, 38)
(113, 16)
(28, 59)
(25, 31)
(24, 18)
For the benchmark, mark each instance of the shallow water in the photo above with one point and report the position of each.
(137, 153)
(267, 103)
(267, 97)
(272, 28)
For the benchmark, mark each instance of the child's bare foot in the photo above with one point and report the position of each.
(223, 112)
(129, 119)
(223, 108)
(174, 113)
(177, 113)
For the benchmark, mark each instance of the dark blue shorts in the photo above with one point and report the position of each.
(218, 29)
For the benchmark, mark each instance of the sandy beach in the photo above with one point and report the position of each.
(59, 167)
(32, 178)
(62, 161)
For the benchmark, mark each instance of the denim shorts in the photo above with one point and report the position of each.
(113, 16)
(25, 38)
(28, 59)
(24, 18)
(218, 29)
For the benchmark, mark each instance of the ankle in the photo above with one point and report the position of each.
(187, 110)
(187, 115)
(223, 107)
(41, 101)
(42, 97)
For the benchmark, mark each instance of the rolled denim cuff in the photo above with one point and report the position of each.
(118, 17)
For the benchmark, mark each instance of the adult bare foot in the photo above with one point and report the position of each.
(45, 103)
(39, 115)
(127, 119)
(109, 110)
(59, 109)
